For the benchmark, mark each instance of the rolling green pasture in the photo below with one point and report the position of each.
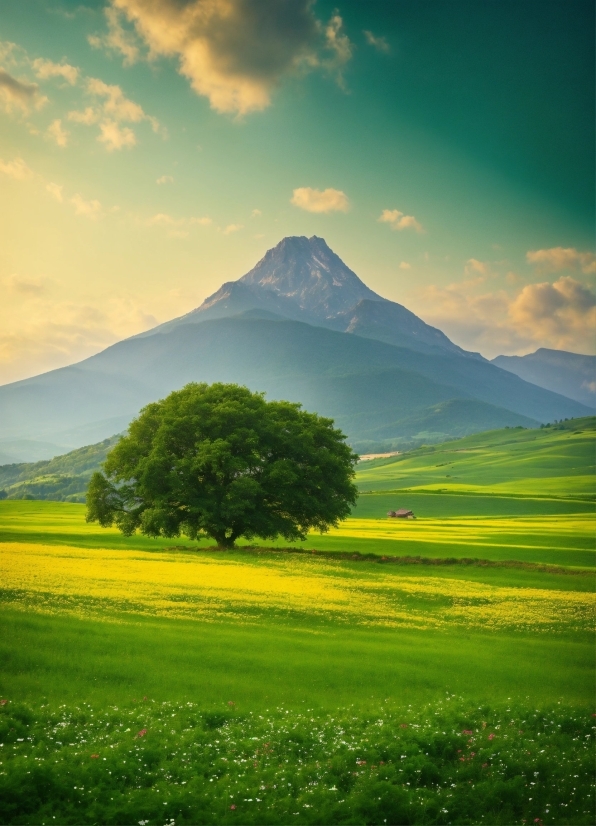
(553, 462)
(290, 658)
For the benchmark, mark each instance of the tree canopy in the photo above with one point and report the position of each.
(220, 461)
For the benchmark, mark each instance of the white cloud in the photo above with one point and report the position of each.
(256, 213)
(561, 315)
(55, 191)
(89, 209)
(165, 179)
(560, 258)
(405, 266)
(87, 117)
(112, 109)
(161, 219)
(115, 137)
(45, 69)
(398, 221)
(232, 228)
(116, 105)
(19, 94)
(16, 169)
(57, 133)
(315, 200)
(474, 266)
(233, 52)
(378, 43)
(117, 38)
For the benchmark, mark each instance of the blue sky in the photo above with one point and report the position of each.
(152, 149)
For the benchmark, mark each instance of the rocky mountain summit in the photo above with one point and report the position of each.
(304, 280)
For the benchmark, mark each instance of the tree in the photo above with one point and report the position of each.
(219, 461)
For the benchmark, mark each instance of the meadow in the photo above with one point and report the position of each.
(438, 670)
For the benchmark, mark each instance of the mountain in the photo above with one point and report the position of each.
(570, 374)
(304, 280)
(374, 388)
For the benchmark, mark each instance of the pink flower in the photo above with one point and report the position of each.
(3, 702)
(94, 756)
(466, 731)
(232, 807)
(142, 732)
(491, 736)
(403, 725)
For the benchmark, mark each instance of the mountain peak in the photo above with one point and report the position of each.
(307, 271)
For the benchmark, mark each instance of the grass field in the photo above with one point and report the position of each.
(156, 681)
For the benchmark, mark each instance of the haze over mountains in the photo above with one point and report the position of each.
(302, 326)
(570, 374)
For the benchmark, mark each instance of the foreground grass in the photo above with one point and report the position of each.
(152, 763)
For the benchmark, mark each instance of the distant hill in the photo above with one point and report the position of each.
(571, 374)
(372, 365)
(62, 479)
(496, 459)
(554, 461)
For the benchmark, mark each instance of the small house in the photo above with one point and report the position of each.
(402, 513)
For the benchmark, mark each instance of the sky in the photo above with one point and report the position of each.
(152, 149)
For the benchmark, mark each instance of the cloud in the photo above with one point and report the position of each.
(112, 109)
(398, 221)
(162, 219)
(233, 52)
(561, 315)
(378, 43)
(117, 38)
(45, 69)
(89, 209)
(405, 266)
(115, 137)
(57, 133)
(19, 94)
(38, 333)
(88, 116)
(23, 285)
(315, 200)
(232, 228)
(55, 191)
(560, 258)
(256, 213)
(16, 169)
(165, 179)
(475, 266)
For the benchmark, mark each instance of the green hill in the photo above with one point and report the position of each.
(62, 479)
(556, 460)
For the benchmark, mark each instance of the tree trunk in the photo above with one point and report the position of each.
(224, 543)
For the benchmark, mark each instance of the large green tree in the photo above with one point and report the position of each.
(219, 461)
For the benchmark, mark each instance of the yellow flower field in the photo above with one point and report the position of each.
(207, 586)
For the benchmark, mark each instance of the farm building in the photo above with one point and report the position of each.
(402, 513)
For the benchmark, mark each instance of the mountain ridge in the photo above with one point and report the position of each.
(367, 384)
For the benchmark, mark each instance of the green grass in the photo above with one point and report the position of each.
(174, 763)
(556, 462)
(519, 499)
